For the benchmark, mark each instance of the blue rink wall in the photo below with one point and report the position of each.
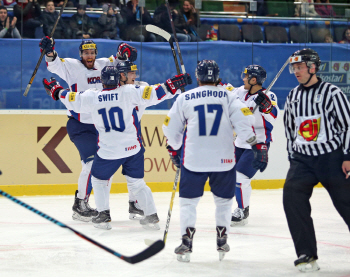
(156, 64)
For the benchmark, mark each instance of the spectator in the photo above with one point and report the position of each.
(306, 8)
(7, 26)
(109, 21)
(49, 18)
(81, 24)
(324, 10)
(31, 17)
(161, 19)
(190, 15)
(346, 36)
(133, 16)
(328, 39)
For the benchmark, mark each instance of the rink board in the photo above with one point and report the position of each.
(38, 158)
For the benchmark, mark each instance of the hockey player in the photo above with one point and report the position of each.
(128, 74)
(199, 128)
(114, 115)
(82, 75)
(252, 94)
(316, 120)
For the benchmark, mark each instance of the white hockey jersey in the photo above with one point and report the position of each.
(114, 115)
(211, 114)
(263, 123)
(79, 78)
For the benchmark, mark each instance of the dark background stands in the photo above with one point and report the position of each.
(81, 24)
(49, 17)
(109, 21)
(133, 16)
(31, 14)
(8, 25)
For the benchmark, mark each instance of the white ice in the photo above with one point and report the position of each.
(32, 246)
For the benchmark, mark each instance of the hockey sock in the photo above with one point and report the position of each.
(243, 190)
(223, 211)
(188, 213)
(143, 195)
(101, 193)
(84, 179)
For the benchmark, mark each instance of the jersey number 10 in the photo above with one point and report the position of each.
(111, 113)
(201, 118)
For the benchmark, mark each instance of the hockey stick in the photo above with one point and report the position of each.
(175, 37)
(160, 32)
(43, 52)
(145, 254)
(150, 242)
(273, 81)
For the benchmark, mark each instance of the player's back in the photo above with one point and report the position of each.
(208, 138)
(116, 120)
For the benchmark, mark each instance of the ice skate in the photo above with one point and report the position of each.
(103, 220)
(82, 211)
(135, 213)
(306, 263)
(185, 249)
(150, 222)
(240, 217)
(221, 242)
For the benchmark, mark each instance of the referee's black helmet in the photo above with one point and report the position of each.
(307, 55)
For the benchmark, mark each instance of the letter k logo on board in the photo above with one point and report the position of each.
(49, 150)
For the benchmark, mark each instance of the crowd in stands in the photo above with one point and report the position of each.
(123, 22)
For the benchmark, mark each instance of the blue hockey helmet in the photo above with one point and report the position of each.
(306, 55)
(255, 71)
(127, 66)
(207, 71)
(86, 45)
(110, 76)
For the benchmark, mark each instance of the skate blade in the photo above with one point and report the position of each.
(104, 225)
(221, 255)
(184, 258)
(308, 267)
(78, 217)
(151, 226)
(135, 216)
(239, 223)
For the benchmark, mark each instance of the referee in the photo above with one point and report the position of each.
(316, 119)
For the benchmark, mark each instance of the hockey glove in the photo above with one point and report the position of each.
(264, 102)
(47, 44)
(260, 156)
(125, 51)
(175, 155)
(52, 88)
(177, 82)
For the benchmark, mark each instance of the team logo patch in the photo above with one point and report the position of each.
(133, 67)
(274, 103)
(72, 97)
(246, 111)
(229, 88)
(147, 93)
(166, 121)
(309, 129)
(62, 60)
(110, 59)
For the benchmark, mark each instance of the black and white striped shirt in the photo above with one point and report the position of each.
(317, 120)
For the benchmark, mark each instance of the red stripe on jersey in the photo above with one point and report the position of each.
(264, 122)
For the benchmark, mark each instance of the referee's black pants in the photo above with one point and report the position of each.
(304, 173)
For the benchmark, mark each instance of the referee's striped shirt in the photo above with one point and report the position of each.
(317, 120)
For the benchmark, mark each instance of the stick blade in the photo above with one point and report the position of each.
(147, 253)
(156, 30)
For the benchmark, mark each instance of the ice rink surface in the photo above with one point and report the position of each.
(33, 246)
